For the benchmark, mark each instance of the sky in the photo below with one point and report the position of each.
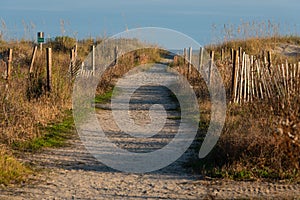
(202, 20)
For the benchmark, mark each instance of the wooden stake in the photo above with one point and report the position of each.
(248, 64)
(269, 61)
(267, 82)
(275, 79)
(238, 77)
(297, 77)
(252, 77)
(72, 62)
(256, 78)
(201, 58)
(222, 55)
(184, 55)
(245, 76)
(290, 66)
(265, 61)
(116, 55)
(33, 59)
(242, 77)
(190, 60)
(212, 55)
(281, 80)
(264, 82)
(284, 78)
(259, 79)
(294, 77)
(8, 64)
(241, 52)
(93, 59)
(234, 76)
(75, 50)
(49, 69)
(287, 77)
(232, 54)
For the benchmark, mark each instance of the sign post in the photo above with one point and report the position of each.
(40, 39)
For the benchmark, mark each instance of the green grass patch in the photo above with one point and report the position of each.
(103, 98)
(54, 135)
(106, 96)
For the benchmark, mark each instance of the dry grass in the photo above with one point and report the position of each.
(251, 143)
(259, 139)
(26, 107)
(11, 171)
(25, 104)
(125, 63)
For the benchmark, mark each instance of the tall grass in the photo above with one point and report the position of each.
(26, 107)
(260, 139)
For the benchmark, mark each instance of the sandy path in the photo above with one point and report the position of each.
(72, 173)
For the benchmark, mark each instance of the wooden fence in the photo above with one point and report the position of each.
(252, 77)
(255, 78)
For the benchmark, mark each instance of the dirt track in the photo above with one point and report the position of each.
(72, 173)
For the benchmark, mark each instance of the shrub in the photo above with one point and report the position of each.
(63, 43)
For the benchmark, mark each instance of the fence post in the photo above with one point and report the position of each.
(184, 55)
(49, 69)
(287, 71)
(240, 52)
(93, 59)
(259, 79)
(32, 59)
(269, 61)
(212, 55)
(235, 76)
(248, 61)
(190, 60)
(8, 64)
(245, 77)
(265, 60)
(294, 84)
(200, 58)
(266, 79)
(252, 77)
(116, 55)
(222, 54)
(75, 50)
(275, 78)
(72, 61)
(291, 77)
(284, 78)
(232, 54)
(242, 76)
